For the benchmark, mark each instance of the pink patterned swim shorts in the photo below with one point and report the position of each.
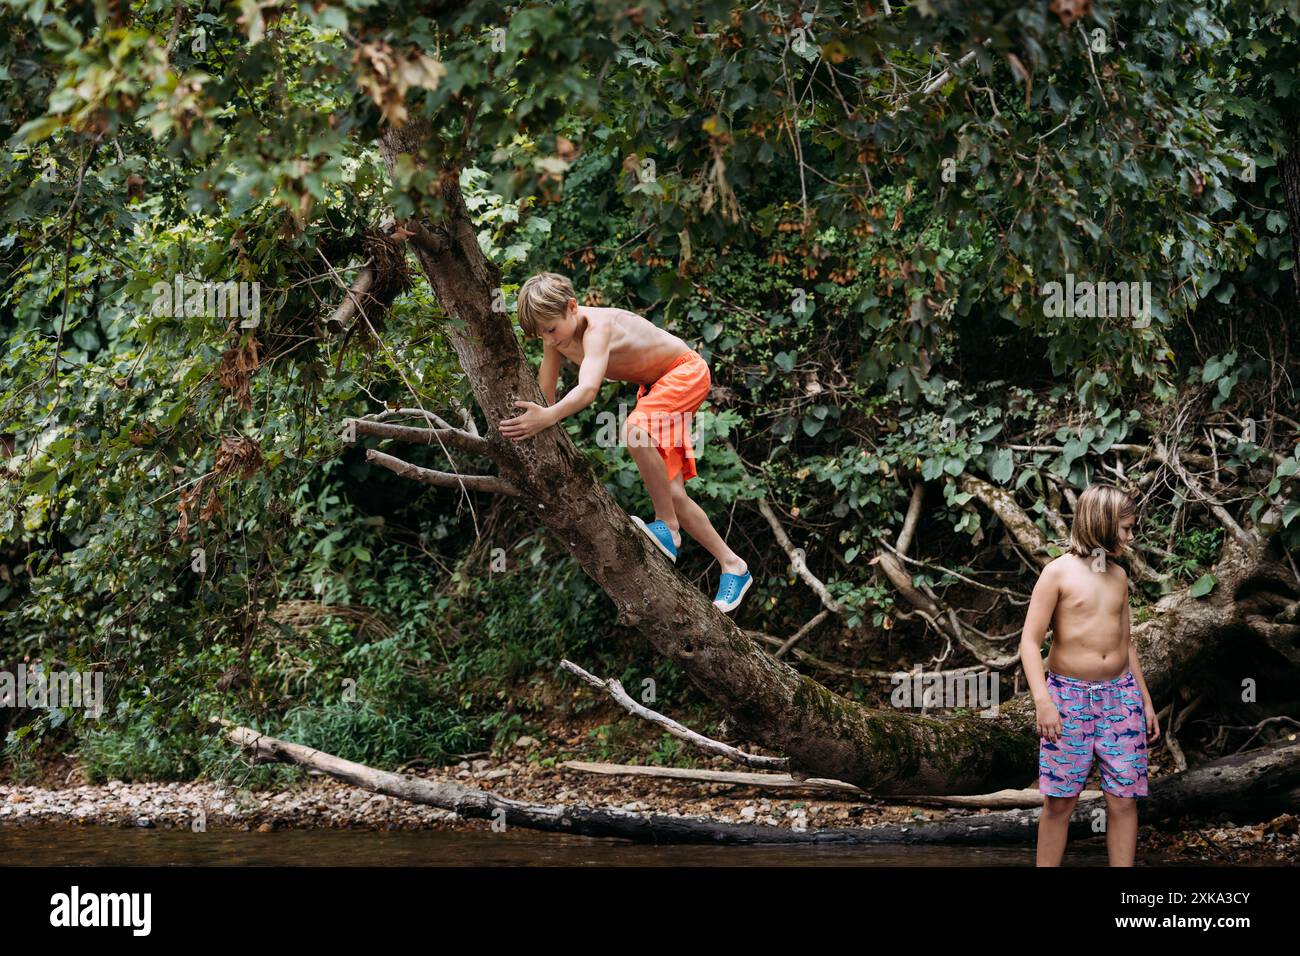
(1102, 717)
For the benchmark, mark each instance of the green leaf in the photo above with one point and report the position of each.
(33, 131)
(63, 38)
(1203, 586)
(1002, 465)
(44, 483)
(1290, 511)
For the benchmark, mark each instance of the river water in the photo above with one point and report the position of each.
(50, 846)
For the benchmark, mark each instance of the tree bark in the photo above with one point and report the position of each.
(1289, 171)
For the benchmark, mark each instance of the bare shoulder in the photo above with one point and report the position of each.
(599, 323)
(1059, 566)
(1050, 578)
(616, 316)
(599, 317)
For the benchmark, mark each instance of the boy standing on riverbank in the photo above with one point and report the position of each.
(1093, 699)
(673, 382)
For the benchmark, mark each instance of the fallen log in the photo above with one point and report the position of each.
(767, 781)
(832, 789)
(1251, 783)
(578, 820)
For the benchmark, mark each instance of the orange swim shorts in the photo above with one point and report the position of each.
(666, 411)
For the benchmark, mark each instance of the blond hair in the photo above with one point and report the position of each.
(1096, 519)
(543, 296)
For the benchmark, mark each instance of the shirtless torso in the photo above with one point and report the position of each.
(1089, 634)
(639, 351)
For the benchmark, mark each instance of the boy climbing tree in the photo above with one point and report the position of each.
(673, 381)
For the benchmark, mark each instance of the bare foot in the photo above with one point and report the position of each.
(735, 567)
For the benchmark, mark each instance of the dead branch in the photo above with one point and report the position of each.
(800, 566)
(838, 789)
(1243, 537)
(927, 605)
(800, 634)
(555, 818)
(352, 301)
(944, 620)
(804, 657)
(454, 437)
(766, 781)
(442, 479)
(707, 744)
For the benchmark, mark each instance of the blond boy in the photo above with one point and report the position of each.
(673, 382)
(1093, 701)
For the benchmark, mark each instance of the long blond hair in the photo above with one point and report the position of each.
(1097, 515)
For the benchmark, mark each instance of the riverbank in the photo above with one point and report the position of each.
(322, 803)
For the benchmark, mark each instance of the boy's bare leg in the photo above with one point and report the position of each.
(654, 473)
(696, 523)
(1054, 829)
(1121, 829)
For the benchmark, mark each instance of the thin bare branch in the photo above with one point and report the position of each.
(1243, 537)
(423, 436)
(707, 744)
(442, 479)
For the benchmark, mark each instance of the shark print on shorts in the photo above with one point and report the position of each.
(1102, 717)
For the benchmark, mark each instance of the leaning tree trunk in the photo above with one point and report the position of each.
(1289, 171)
(823, 734)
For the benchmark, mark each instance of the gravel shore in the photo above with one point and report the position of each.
(324, 803)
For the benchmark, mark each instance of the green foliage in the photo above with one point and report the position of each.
(860, 257)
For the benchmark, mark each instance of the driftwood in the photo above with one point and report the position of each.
(557, 818)
(765, 781)
(1254, 785)
(833, 789)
